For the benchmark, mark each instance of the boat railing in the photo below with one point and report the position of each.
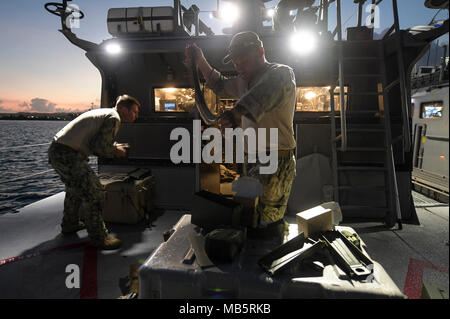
(435, 79)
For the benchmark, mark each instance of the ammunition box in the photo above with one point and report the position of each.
(224, 244)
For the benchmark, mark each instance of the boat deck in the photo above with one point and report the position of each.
(34, 256)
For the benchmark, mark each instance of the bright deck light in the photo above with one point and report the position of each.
(113, 48)
(229, 12)
(303, 42)
(270, 13)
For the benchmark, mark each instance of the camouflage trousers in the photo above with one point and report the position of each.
(83, 190)
(276, 187)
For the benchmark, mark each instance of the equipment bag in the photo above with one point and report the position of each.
(128, 197)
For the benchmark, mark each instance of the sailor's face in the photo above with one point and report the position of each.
(130, 114)
(247, 65)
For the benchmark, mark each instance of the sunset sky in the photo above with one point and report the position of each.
(41, 71)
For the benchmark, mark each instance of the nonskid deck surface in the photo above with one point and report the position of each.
(34, 233)
(416, 254)
(410, 256)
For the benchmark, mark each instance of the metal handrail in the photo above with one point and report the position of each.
(403, 92)
(341, 80)
(333, 146)
(388, 33)
(342, 99)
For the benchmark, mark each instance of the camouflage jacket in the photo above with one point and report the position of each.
(269, 98)
(91, 132)
(102, 144)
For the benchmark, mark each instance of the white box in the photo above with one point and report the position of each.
(314, 221)
(117, 23)
(161, 20)
(140, 20)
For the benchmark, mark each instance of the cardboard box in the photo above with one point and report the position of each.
(314, 221)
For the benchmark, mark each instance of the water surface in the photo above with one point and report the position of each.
(25, 174)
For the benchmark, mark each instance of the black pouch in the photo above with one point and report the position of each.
(224, 244)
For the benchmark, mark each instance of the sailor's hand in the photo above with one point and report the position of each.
(193, 49)
(124, 145)
(120, 151)
(224, 122)
(229, 119)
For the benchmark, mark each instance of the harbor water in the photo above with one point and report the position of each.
(25, 174)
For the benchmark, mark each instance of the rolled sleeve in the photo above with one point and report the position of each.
(102, 144)
(274, 86)
(222, 85)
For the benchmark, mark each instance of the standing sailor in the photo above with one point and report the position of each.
(267, 95)
(91, 133)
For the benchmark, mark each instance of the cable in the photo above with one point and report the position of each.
(23, 146)
(346, 21)
(28, 176)
(43, 172)
(432, 20)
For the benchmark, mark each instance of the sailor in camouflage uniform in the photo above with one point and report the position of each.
(266, 95)
(91, 133)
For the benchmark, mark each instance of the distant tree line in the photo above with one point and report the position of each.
(39, 116)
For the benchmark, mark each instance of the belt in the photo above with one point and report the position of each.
(55, 146)
(283, 153)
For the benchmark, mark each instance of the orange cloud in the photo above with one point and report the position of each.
(42, 105)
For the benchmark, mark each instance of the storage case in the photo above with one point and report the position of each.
(164, 275)
(210, 210)
(129, 198)
(123, 21)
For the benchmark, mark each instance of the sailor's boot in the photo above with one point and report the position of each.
(107, 243)
(70, 229)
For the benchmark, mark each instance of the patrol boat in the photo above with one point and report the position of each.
(430, 98)
(354, 147)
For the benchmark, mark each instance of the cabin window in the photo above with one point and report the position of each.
(181, 100)
(431, 110)
(226, 103)
(174, 99)
(317, 99)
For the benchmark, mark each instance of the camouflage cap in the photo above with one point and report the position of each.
(241, 43)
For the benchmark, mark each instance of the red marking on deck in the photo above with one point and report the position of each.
(413, 282)
(42, 252)
(89, 274)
